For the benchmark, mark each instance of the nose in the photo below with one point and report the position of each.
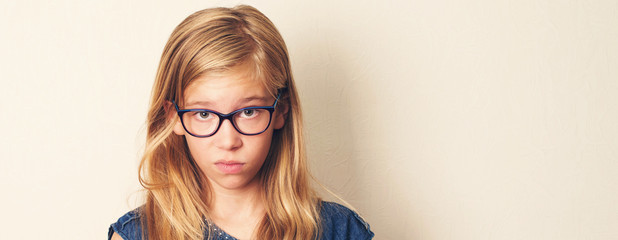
(227, 138)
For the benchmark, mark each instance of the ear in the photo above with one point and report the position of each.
(280, 116)
(170, 111)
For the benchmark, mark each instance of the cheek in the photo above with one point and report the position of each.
(262, 147)
(255, 148)
(199, 149)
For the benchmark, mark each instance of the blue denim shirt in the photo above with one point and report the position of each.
(338, 223)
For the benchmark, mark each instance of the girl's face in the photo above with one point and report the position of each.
(229, 159)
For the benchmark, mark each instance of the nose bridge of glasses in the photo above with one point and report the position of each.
(230, 117)
(232, 125)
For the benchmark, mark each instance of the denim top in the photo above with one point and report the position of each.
(338, 223)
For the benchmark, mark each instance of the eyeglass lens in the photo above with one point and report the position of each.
(247, 121)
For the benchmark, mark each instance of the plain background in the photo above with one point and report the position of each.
(475, 119)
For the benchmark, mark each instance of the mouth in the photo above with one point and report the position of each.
(229, 167)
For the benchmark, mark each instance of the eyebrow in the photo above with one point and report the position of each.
(240, 102)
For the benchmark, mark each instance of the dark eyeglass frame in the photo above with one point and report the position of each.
(222, 117)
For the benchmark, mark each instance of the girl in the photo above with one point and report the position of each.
(224, 155)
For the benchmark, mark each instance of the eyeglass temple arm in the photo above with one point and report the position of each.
(279, 95)
(175, 105)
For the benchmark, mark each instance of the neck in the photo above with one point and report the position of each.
(243, 205)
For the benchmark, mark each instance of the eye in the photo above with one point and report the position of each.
(248, 113)
(203, 115)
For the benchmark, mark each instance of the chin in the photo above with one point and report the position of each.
(234, 182)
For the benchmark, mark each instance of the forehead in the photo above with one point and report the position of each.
(225, 89)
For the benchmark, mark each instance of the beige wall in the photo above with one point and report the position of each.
(435, 119)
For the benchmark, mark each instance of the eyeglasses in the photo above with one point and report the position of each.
(247, 121)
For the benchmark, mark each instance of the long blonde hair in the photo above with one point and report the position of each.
(178, 194)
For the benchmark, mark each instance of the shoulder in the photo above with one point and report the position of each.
(129, 226)
(339, 222)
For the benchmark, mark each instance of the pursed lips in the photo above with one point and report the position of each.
(229, 167)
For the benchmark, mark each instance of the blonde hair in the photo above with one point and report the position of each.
(215, 40)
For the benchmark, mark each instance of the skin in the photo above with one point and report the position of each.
(237, 206)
